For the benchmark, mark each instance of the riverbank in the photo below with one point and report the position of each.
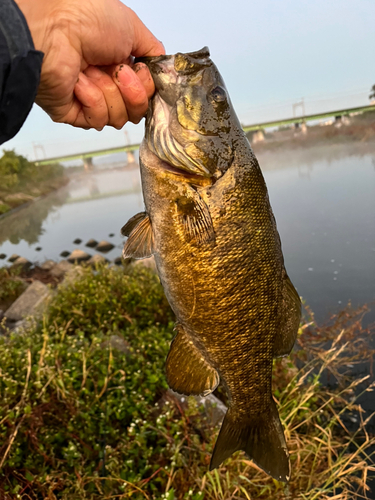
(85, 411)
(23, 182)
(357, 129)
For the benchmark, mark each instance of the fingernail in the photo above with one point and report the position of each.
(142, 72)
(139, 67)
(126, 77)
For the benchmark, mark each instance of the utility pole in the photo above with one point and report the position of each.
(299, 104)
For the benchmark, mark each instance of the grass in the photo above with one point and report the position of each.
(85, 411)
(11, 286)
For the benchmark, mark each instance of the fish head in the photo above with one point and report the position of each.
(191, 124)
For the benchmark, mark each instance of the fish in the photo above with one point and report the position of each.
(210, 227)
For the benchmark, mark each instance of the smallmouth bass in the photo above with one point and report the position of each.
(209, 224)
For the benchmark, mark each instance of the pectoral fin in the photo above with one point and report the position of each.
(139, 245)
(195, 220)
(188, 372)
(132, 223)
(290, 319)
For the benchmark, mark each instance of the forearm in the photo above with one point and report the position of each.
(20, 67)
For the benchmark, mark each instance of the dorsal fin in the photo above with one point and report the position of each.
(139, 245)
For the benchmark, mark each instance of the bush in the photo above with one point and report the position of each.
(84, 411)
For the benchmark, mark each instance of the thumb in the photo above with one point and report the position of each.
(144, 42)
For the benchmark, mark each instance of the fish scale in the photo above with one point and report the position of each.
(218, 254)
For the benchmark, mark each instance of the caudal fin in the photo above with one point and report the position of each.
(263, 442)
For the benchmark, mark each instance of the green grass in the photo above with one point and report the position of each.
(81, 419)
(11, 286)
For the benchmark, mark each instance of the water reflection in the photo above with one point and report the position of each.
(27, 224)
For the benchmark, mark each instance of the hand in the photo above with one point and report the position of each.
(87, 77)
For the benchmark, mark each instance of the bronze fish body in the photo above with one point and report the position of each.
(209, 224)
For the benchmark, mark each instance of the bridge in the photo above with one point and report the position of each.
(258, 127)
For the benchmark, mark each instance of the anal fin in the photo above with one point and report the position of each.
(188, 372)
(139, 245)
(290, 319)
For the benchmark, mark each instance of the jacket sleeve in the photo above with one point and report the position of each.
(20, 66)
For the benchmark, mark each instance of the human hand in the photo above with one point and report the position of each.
(87, 77)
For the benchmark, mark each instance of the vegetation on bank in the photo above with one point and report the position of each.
(85, 412)
(11, 286)
(22, 180)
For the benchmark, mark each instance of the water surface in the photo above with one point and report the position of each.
(323, 200)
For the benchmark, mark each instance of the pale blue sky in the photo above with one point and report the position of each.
(270, 53)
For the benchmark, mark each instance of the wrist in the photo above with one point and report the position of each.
(36, 13)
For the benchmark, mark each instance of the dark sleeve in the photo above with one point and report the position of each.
(20, 66)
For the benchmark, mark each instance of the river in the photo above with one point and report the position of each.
(323, 199)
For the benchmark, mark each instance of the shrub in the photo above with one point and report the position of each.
(84, 411)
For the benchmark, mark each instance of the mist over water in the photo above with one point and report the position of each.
(322, 197)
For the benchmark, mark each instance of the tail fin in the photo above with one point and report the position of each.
(263, 442)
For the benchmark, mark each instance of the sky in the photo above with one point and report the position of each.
(271, 54)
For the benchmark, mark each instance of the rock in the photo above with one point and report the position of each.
(1, 314)
(97, 259)
(22, 262)
(32, 301)
(111, 235)
(149, 262)
(118, 261)
(77, 241)
(78, 256)
(13, 257)
(64, 254)
(38, 249)
(91, 243)
(48, 265)
(18, 198)
(73, 274)
(118, 343)
(2, 256)
(214, 409)
(60, 269)
(104, 246)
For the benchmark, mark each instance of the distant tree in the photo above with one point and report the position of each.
(16, 172)
(372, 95)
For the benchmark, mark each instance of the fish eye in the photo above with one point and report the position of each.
(219, 94)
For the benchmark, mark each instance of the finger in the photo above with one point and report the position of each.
(144, 42)
(144, 75)
(133, 92)
(94, 106)
(117, 113)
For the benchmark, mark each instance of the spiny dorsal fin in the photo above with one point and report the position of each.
(262, 439)
(290, 319)
(195, 220)
(188, 372)
(139, 245)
